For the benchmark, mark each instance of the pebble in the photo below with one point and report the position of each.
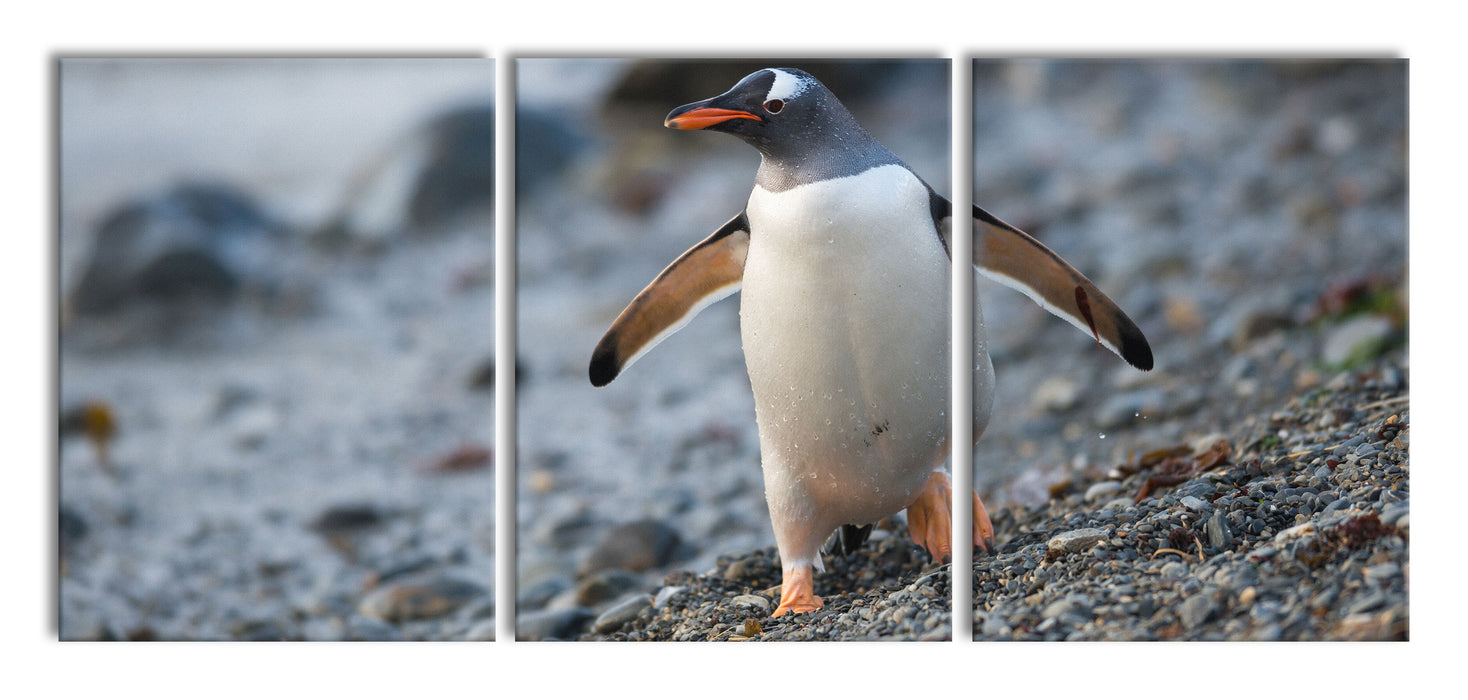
(634, 546)
(1102, 489)
(434, 597)
(348, 517)
(1355, 337)
(1196, 610)
(665, 595)
(757, 602)
(621, 613)
(552, 624)
(604, 585)
(1075, 541)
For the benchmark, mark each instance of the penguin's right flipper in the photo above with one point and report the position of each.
(1014, 258)
(708, 272)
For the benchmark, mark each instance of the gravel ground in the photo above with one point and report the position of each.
(1294, 527)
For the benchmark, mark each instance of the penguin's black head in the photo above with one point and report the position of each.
(771, 109)
(802, 131)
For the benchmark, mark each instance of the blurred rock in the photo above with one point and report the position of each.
(440, 173)
(552, 624)
(73, 527)
(459, 175)
(634, 546)
(620, 614)
(196, 245)
(536, 596)
(607, 584)
(1357, 339)
(467, 457)
(546, 145)
(418, 600)
(1055, 394)
(350, 517)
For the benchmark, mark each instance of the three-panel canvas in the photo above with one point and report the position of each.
(655, 349)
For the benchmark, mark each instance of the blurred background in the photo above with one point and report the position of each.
(1250, 216)
(275, 351)
(659, 471)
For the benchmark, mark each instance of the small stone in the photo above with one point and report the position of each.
(419, 600)
(540, 593)
(1217, 530)
(634, 546)
(1357, 339)
(745, 567)
(1194, 503)
(1301, 530)
(1075, 541)
(1335, 506)
(1055, 394)
(1368, 602)
(552, 624)
(1196, 610)
(1102, 489)
(349, 517)
(757, 602)
(1382, 572)
(604, 585)
(665, 594)
(1119, 504)
(622, 613)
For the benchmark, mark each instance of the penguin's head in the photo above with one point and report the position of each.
(769, 108)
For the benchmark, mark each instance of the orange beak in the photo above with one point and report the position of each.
(705, 117)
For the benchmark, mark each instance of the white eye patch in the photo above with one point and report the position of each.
(787, 85)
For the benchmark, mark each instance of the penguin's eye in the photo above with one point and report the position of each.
(774, 106)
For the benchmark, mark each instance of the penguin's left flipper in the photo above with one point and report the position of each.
(704, 274)
(1015, 259)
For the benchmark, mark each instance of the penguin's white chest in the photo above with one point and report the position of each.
(845, 324)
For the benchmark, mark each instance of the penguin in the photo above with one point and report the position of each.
(842, 260)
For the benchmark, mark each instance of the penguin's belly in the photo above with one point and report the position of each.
(845, 324)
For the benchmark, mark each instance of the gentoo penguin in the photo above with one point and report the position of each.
(843, 260)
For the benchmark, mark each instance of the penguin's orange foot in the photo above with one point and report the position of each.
(930, 520)
(797, 593)
(983, 527)
(930, 517)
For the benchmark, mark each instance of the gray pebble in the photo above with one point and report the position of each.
(757, 602)
(665, 595)
(621, 613)
(1194, 504)
(1196, 610)
(429, 598)
(1075, 541)
(1102, 489)
(552, 624)
(634, 546)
